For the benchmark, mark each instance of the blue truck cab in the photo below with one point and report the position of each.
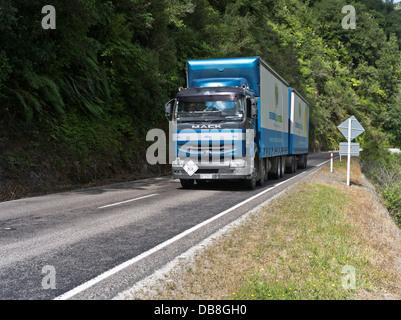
(236, 119)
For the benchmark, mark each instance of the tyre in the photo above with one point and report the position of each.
(266, 165)
(288, 167)
(282, 167)
(187, 183)
(276, 168)
(251, 183)
(303, 162)
(261, 173)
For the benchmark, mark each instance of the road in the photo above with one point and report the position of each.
(95, 243)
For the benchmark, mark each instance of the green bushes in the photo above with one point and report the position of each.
(385, 173)
(393, 200)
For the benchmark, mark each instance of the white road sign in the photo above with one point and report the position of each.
(344, 149)
(356, 128)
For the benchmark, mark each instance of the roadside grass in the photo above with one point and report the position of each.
(307, 250)
(300, 246)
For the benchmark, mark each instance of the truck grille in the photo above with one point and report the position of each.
(207, 171)
(208, 153)
(199, 148)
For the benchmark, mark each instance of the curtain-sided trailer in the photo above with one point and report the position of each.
(237, 119)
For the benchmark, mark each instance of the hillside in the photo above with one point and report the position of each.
(77, 101)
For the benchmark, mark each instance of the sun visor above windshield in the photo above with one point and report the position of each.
(219, 82)
(211, 94)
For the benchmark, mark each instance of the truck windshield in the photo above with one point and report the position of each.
(209, 110)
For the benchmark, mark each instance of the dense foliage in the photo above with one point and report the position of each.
(81, 98)
(385, 173)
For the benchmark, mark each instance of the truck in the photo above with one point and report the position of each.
(236, 119)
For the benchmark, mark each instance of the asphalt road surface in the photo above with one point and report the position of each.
(96, 243)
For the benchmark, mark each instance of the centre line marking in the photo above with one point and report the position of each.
(117, 203)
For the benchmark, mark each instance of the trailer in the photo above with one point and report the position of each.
(299, 130)
(236, 119)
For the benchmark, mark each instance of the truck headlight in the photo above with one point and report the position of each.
(238, 163)
(178, 163)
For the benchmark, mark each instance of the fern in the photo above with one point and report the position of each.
(27, 109)
(51, 94)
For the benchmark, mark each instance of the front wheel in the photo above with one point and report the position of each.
(261, 173)
(251, 183)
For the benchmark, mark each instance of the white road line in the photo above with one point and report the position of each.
(117, 203)
(145, 254)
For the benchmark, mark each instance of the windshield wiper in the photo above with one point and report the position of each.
(194, 120)
(217, 120)
(233, 118)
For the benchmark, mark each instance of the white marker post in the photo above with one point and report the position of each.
(331, 162)
(349, 152)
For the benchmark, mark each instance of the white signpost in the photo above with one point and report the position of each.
(350, 128)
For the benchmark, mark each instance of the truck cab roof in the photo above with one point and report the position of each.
(213, 93)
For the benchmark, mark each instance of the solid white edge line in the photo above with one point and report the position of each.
(164, 244)
(320, 164)
(117, 203)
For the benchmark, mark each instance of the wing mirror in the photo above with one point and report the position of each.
(252, 107)
(168, 107)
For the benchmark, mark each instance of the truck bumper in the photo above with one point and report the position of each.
(214, 172)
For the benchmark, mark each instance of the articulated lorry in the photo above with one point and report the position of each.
(236, 119)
